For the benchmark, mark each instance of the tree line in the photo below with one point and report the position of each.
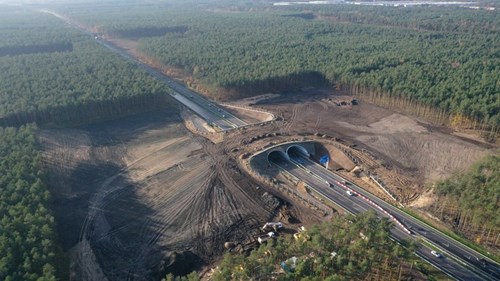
(83, 83)
(454, 71)
(347, 248)
(436, 18)
(24, 28)
(451, 63)
(469, 202)
(48, 48)
(51, 74)
(27, 232)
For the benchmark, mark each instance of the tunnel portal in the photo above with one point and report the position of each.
(284, 153)
(277, 156)
(297, 150)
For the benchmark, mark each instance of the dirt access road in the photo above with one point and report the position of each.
(409, 153)
(141, 196)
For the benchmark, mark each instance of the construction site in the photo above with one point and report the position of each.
(166, 192)
(160, 192)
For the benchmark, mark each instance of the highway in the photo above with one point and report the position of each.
(458, 261)
(206, 109)
(215, 115)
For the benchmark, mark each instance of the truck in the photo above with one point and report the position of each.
(274, 225)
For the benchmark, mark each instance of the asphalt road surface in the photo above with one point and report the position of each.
(457, 260)
(206, 109)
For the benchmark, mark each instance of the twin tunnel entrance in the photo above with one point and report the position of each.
(294, 151)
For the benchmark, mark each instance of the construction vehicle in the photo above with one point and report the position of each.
(301, 235)
(274, 225)
(266, 237)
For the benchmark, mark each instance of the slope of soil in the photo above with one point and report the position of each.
(410, 153)
(142, 196)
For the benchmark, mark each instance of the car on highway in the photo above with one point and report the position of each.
(350, 193)
(436, 254)
(483, 262)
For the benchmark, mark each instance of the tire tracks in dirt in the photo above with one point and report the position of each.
(180, 205)
(289, 123)
(233, 198)
(110, 189)
(168, 191)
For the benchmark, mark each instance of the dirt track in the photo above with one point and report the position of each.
(410, 153)
(141, 196)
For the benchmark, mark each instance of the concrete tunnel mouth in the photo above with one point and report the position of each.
(297, 150)
(277, 156)
(281, 155)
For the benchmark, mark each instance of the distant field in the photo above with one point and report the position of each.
(53, 73)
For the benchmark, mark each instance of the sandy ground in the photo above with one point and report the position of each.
(409, 153)
(155, 193)
(142, 195)
(419, 152)
(250, 114)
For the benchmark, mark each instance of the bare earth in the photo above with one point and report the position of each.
(410, 151)
(141, 196)
(155, 193)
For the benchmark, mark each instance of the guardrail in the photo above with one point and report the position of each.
(376, 206)
(360, 195)
(398, 211)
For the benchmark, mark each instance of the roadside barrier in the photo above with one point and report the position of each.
(376, 206)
